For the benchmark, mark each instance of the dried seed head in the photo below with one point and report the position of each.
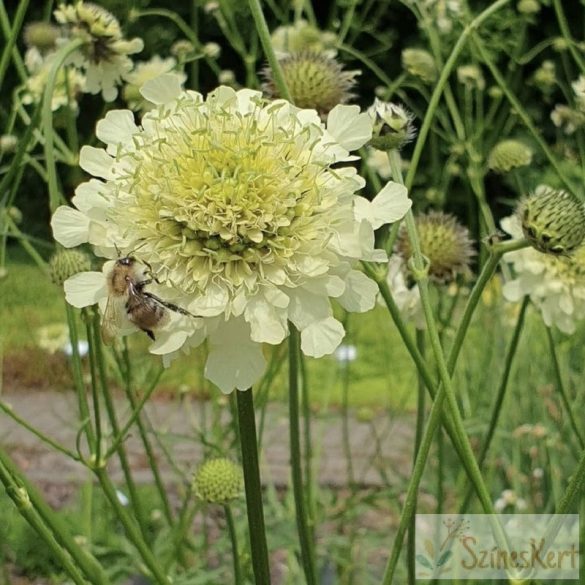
(66, 263)
(509, 154)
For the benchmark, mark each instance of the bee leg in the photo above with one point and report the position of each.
(168, 305)
(150, 334)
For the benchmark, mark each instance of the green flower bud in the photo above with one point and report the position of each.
(41, 35)
(218, 481)
(392, 125)
(182, 49)
(66, 263)
(420, 63)
(509, 154)
(444, 242)
(314, 80)
(8, 143)
(553, 220)
(528, 6)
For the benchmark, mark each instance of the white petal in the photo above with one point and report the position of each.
(117, 127)
(163, 89)
(247, 100)
(234, 361)
(389, 205)
(512, 291)
(88, 197)
(350, 128)
(212, 303)
(70, 227)
(306, 307)
(322, 338)
(360, 293)
(267, 323)
(85, 289)
(96, 161)
(168, 341)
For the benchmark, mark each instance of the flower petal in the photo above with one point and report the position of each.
(322, 338)
(389, 205)
(163, 89)
(360, 292)
(117, 127)
(96, 161)
(70, 227)
(350, 128)
(85, 289)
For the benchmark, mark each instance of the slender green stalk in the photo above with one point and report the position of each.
(22, 502)
(8, 410)
(47, 119)
(11, 38)
(308, 444)
(420, 422)
(562, 390)
(249, 446)
(97, 409)
(152, 462)
(238, 580)
(132, 530)
(53, 521)
(564, 27)
(307, 546)
(264, 34)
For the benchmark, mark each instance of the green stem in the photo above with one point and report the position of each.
(12, 36)
(47, 119)
(249, 446)
(264, 34)
(132, 530)
(308, 444)
(84, 559)
(22, 502)
(238, 580)
(307, 547)
(564, 26)
(441, 83)
(562, 390)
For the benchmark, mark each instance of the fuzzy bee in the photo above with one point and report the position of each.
(128, 301)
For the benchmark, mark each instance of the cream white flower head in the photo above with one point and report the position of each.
(242, 209)
(556, 285)
(104, 55)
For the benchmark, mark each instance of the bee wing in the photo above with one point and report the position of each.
(113, 318)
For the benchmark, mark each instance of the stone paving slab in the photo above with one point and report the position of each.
(380, 444)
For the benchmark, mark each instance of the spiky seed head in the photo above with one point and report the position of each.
(315, 80)
(509, 154)
(41, 35)
(553, 220)
(66, 263)
(218, 481)
(420, 63)
(392, 125)
(445, 243)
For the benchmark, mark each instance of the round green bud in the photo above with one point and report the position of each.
(314, 80)
(392, 125)
(444, 242)
(8, 143)
(553, 220)
(182, 49)
(509, 154)
(420, 63)
(66, 263)
(41, 35)
(218, 481)
(528, 6)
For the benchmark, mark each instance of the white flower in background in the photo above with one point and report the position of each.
(407, 298)
(104, 54)
(145, 71)
(378, 160)
(579, 89)
(555, 284)
(69, 82)
(567, 119)
(242, 209)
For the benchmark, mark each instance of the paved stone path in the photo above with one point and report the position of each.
(380, 448)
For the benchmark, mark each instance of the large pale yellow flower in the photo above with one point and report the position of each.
(245, 212)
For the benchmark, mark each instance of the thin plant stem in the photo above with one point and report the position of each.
(564, 28)
(249, 446)
(562, 390)
(19, 496)
(264, 34)
(132, 530)
(234, 541)
(418, 434)
(308, 444)
(47, 119)
(83, 558)
(11, 38)
(95, 396)
(307, 546)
